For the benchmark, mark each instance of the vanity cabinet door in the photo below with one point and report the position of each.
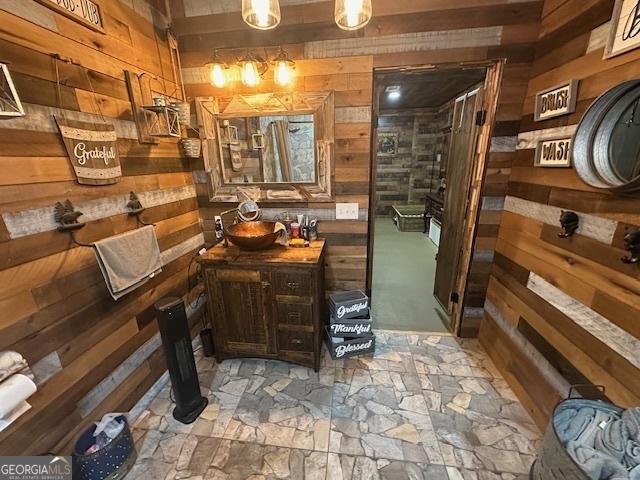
(242, 313)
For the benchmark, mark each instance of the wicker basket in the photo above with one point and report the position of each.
(191, 147)
(554, 462)
(409, 218)
(184, 112)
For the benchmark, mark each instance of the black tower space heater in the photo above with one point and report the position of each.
(178, 352)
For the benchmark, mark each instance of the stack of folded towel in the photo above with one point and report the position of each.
(16, 385)
(603, 440)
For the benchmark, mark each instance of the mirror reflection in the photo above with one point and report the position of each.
(624, 144)
(268, 149)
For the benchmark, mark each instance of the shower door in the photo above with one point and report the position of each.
(459, 169)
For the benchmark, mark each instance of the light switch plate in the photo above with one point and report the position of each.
(347, 211)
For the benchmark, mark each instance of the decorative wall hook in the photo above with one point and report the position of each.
(136, 208)
(66, 216)
(632, 244)
(569, 221)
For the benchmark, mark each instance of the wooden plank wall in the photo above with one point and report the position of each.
(90, 354)
(402, 32)
(561, 311)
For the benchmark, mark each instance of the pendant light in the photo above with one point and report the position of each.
(352, 14)
(261, 14)
(283, 69)
(250, 70)
(217, 67)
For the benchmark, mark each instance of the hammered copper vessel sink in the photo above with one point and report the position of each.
(253, 235)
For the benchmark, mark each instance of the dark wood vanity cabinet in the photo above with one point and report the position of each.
(267, 303)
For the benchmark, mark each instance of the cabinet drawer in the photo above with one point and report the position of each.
(294, 313)
(293, 283)
(295, 340)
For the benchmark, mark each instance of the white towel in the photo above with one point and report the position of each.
(13, 391)
(129, 260)
(13, 362)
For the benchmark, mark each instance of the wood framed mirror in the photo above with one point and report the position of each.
(268, 147)
(606, 146)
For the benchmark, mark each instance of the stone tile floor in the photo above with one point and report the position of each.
(422, 407)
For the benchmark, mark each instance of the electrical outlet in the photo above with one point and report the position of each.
(347, 211)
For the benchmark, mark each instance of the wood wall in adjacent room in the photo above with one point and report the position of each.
(565, 311)
(402, 32)
(90, 354)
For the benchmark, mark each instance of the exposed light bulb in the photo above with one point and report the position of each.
(250, 75)
(261, 14)
(352, 12)
(283, 71)
(282, 74)
(217, 76)
(261, 7)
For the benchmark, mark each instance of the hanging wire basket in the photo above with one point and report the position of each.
(191, 147)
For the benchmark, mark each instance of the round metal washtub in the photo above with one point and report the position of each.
(592, 140)
(554, 462)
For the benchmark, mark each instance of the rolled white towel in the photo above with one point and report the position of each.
(11, 363)
(13, 391)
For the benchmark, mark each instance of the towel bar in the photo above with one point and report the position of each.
(67, 216)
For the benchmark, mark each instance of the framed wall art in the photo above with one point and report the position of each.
(86, 12)
(387, 144)
(557, 101)
(554, 152)
(625, 28)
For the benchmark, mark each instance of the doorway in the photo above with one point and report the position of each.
(431, 129)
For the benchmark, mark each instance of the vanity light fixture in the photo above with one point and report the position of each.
(217, 67)
(261, 14)
(352, 14)
(283, 68)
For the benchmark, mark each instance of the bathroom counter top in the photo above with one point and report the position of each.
(277, 254)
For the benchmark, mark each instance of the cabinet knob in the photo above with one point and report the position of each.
(266, 284)
(297, 341)
(292, 285)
